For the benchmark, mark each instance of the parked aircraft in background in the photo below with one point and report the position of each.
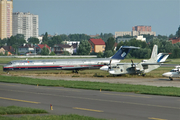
(174, 73)
(68, 64)
(138, 68)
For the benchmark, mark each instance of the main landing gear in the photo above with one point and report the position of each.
(170, 78)
(75, 71)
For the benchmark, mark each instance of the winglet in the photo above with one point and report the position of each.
(122, 52)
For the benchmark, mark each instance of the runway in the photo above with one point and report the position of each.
(104, 104)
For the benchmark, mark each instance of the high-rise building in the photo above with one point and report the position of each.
(6, 8)
(25, 23)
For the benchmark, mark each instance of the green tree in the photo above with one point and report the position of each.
(44, 51)
(16, 41)
(66, 53)
(108, 53)
(45, 38)
(172, 36)
(78, 37)
(100, 55)
(64, 37)
(105, 36)
(148, 37)
(54, 40)
(33, 40)
(110, 44)
(178, 32)
(84, 48)
(52, 53)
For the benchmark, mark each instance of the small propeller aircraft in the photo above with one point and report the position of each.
(174, 73)
(138, 68)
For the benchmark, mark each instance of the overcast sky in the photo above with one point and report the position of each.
(102, 16)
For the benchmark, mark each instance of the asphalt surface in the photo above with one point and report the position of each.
(99, 104)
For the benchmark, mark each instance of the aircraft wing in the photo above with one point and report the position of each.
(150, 64)
(126, 63)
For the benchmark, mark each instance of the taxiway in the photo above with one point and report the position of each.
(104, 104)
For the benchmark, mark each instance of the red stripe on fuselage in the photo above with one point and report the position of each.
(55, 66)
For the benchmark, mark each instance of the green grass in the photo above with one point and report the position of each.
(19, 110)
(22, 110)
(142, 89)
(51, 117)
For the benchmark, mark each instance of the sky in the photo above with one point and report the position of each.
(102, 16)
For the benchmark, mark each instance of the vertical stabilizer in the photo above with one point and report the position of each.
(122, 52)
(153, 58)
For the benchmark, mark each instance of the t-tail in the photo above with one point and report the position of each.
(122, 52)
(119, 55)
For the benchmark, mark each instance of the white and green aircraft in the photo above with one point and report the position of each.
(138, 68)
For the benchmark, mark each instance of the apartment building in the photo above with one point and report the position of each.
(25, 23)
(6, 8)
(136, 31)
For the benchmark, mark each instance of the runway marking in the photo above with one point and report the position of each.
(128, 95)
(156, 118)
(19, 100)
(103, 100)
(88, 109)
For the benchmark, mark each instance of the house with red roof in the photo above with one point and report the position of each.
(174, 40)
(39, 47)
(97, 45)
(10, 50)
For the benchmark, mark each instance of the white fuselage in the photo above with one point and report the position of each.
(174, 73)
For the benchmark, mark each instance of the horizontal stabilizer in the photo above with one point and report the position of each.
(123, 51)
(162, 57)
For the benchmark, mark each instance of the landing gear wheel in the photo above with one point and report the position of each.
(170, 78)
(75, 71)
(143, 75)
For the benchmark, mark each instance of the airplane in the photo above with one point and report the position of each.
(68, 64)
(138, 68)
(174, 73)
(161, 58)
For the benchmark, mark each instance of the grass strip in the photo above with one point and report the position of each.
(52, 117)
(19, 110)
(143, 89)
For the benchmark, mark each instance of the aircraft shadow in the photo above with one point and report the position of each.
(167, 79)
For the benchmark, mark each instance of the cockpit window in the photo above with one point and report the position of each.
(9, 63)
(173, 71)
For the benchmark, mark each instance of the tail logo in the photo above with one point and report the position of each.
(123, 54)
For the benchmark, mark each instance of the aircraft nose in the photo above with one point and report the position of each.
(105, 68)
(111, 71)
(166, 74)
